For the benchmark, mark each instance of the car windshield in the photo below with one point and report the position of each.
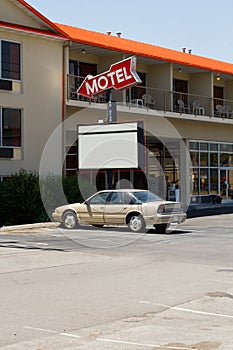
(146, 196)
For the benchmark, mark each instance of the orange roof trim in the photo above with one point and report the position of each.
(31, 30)
(141, 49)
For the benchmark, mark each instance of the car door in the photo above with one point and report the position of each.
(116, 209)
(92, 210)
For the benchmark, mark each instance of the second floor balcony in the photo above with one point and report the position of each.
(150, 98)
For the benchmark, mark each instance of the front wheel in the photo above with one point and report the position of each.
(70, 220)
(137, 223)
(161, 228)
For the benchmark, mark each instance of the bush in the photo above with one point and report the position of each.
(20, 200)
(21, 197)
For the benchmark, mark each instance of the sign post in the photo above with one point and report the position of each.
(109, 108)
(121, 75)
(110, 117)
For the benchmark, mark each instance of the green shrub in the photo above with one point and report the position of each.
(25, 198)
(20, 199)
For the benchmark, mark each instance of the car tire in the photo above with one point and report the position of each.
(70, 220)
(137, 223)
(161, 228)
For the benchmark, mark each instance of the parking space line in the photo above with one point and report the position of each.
(188, 310)
(40, 329)
(154, 346)
(70, 335)
(146, 345)
(53, 332)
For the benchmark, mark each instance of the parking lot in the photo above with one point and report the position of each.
(114, 289)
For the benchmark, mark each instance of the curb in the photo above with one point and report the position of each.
(29, 226)
(208, 210)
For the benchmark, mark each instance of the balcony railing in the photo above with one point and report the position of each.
(158, 99)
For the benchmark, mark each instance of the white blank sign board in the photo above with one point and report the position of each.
(108, 146)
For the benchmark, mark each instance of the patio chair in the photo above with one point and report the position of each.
(182, 107)
(148, 101)
(228, 111)
(219, 111)
(198, 108)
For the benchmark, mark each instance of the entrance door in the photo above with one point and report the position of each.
(180, 88)
(218, 95)
(226, 183)
(78, 71)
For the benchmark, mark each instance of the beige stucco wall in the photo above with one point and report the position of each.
(199, 130)
(12, 14)
(229, 90)
(200, 84)
(40, 100)
(79, 56)
(159, 76)
(221, 131)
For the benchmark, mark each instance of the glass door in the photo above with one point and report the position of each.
(230, 183)
(226, 183)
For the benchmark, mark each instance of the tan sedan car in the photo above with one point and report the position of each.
(135, 208)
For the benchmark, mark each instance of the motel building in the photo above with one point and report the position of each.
(183, 101)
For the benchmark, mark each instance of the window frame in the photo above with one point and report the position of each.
(1, 129)
(20, 60)
(219, 150)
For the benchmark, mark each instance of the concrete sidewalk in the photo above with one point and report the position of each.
(46, 225)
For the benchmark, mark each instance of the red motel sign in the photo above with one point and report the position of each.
(120, 76)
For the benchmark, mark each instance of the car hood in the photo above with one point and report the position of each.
(73, 206)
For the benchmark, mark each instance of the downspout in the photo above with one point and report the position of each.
(64, 97)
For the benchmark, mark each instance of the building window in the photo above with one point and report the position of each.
(213, 181)
(212, 168)
(204, 181)
(10, 60)
(10, 127)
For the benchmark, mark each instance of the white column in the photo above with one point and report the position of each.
(185, 173)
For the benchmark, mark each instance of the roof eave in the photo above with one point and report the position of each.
(50, 24)
(32, 31)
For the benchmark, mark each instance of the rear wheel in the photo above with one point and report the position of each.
(70, 220)
(161, 228)
(137, 223)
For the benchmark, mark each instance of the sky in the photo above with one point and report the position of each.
(204, 26)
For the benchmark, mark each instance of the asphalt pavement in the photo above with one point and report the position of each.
(112, 289)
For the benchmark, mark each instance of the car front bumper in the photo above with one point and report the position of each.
(57, 217)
